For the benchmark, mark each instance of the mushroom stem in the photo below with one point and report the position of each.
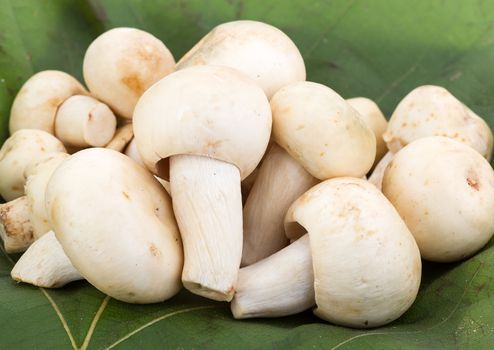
(121, 139)
(377, 175)
(207, 203)
(16, 230)
(280, 285)
(280, 182)
(45, 264)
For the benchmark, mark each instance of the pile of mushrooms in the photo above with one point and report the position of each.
(230, 175)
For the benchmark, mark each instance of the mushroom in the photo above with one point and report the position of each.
(319, 136)
(45, 264)
(121, 64)
(433, 111)
(259, 50)
(16, 230)
(366, 266)
(210, 126)
(444, 191)
(17, 153)
(24, 219)
(132, 152)
(371, 114)
(36, 103)
(125, 242)
(82, 121)
(121, 139)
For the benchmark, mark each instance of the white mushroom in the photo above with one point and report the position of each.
(36, 103)
(125, 242)
(366, 264)
(83, 121)
(45, 264)
(121, 64)
(259, 50)
(16, 230)
(444, 191)
(321, 136)
(24, 219)
(212, 124)
(17, 153)
(371, 114)
(433, 111)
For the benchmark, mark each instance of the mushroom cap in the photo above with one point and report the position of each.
(17, 153)
(37, 180)
(444, 191)
(367, 266)
(209, 111)
(84, 121)
(37, 102)
(318, 128)
(259, 50)
(371, 114)
(116, 226)
(433, 111)
(121, 64)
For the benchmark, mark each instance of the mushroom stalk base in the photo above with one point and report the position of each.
(280, 285)
(16, 230)
(207, 203)
(45, 264)
(281, 180)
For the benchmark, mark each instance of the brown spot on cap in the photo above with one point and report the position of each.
(125, 194)
(134, 83)
(473, 183)
(154, 251)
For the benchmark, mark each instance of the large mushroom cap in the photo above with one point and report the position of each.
(209, 111)
(444, 190)
(366, 263)
(116, 225)
(20, 150)
(121, 64)
(433, 111)
(318, 128)
(259, 50)
(36, 103)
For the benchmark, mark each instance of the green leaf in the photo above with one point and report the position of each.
(379, 49)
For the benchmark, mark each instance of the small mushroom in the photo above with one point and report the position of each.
(125, 242)
(319, 136)
(83, 121)
(17, 153)
(121, 64)
(371, 114)
(24, 219)
(210, 125)
(45, 264)
(37, 102)
(259, 50)
(366, 265)
(121, 139)
(444, 191)
(16, 230)
(433, 111)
